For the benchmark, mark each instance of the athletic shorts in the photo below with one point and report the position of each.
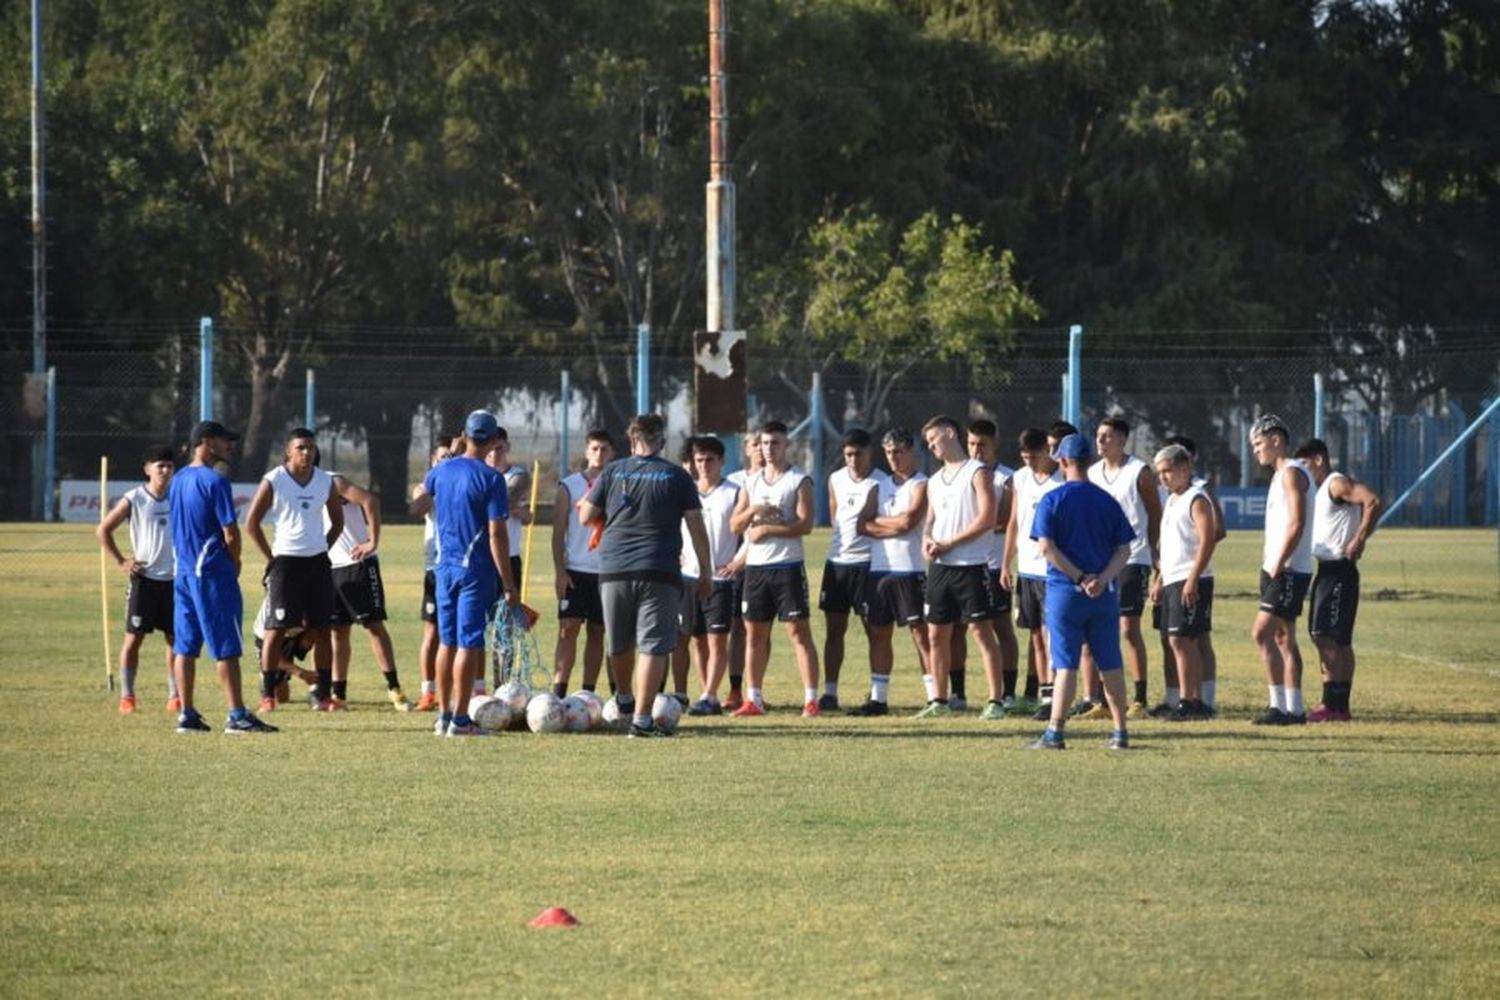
(714, 616)
(778, 592)
(1187, 622)
(581, 599)
(1156, 621)
(464, 600)
(890, 598)
(209, 609)
(359, 594)
(1003, 597)
(1031, 602)
(1073, 620)
(738, 600)
(1283, 595)
(300, 590)
(1335, 600)
(843, 587)
(958, 593)
(1134, 584)
(640, 615)
(148, 605)
(429, 596)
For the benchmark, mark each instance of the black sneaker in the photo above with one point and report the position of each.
(648, 732)
(1189, 711)
(1288, 719)
(871, 708)
(249, 724)
(682, 700)
(1118, 741)
(1043, 712)
(1080, 706)
(828, 703)
(1161, 710)
(1270, 717)
(192, 724)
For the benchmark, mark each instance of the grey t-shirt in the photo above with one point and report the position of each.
(643, 500)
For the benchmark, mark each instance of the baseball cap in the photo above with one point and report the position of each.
(481, 426)
(205, 429)
(1074, 447)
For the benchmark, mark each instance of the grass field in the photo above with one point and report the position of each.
(357, 855)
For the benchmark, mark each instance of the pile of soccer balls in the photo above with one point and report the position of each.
(514, 706)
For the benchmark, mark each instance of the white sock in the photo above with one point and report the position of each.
(880, 687)
(1208, 693)
(127, 682)
(1174, 697)
(429, 687)
(809, 694)
(831, 688)
(172, 691)
(754, 695)
(1278, 697)
(930, 685)
(710, 697)
(1294, 701)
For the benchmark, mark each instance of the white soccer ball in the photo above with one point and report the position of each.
(575, 715)
(517, 696)
(490, 714)
(610, 713)
(593, 704)
(666, 712)
(544, 713)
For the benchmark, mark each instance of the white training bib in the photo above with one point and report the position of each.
(1278, 514)
(848, 547)
(151, 534)
(723, 543)
(297, 512)
(518, 503)
(1003, 474)
(1179, 536)
(1334, 523)
(950, 494)
(903, 553)
(781, 494)
(1029, 491)
(576, 554)
(1124, 485)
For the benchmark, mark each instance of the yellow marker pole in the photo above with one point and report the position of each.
(536, 472)
(109, 663)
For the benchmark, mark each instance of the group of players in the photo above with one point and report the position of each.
(974, 551)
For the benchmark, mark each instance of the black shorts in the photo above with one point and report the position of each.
(429, 597)
(300, 591)
(148, 606)
(1335, 600)
(714, 616)
(1134, 584)
(1182, 621)
(775, 592)
(958, 593)
(1156, 622)
(1003, 597)
(843, 587)
(581, 599)
(359, 594)
(737, 601)
(1283, 595)
(1031, 602)
(893, 597)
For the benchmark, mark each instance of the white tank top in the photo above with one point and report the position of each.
(1028, 493)
(903, 553)
(1334, 524)
(517, 502)
(356, 532)
(723, 543)
(1124, 485)
(997, 539)
(576, 554)
(297, 512)
(1277, 516)
(782, 494)
(848, 547)
(429, 543)
(951, 497)
(1179, 535)
(151, 534)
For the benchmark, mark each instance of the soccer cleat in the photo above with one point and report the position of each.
(870, 709)
(811, 710)
(338, 704)
(1272, 716)
(1137, 710)
(1161, 710)
(267, 705)
(748, 709)
(1043, 712)
(993, 712)
(127, 704)
(174, 704)
(705, 706)
(958, 704)
(1080, 708)
(1117, 741)
(734, 701)
(651, 732)
(681, 699)
(1300, 719)
(467, 729)
(1097, 710)
(1188, 711)
(828, 703)
(428, 702)
(1049, 740)
(398, 700)
(1008, 703)
(1021, 706)
(248, 724)
(935, 710)
(193, 724)
(439, 727)
(1325, 714)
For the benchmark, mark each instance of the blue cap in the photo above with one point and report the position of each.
(481, 426)
(1074, 447)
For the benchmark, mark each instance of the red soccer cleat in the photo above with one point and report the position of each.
(174, 704)
(127, 704)
(748, 710)
(268, 705)
(811, 710)
(428, 702)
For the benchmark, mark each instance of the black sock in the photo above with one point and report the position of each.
(1336, 696)
(1046, 690)
(268, 683)
(1031, 686)
(560, 689)
(1008, 683)
(736, 683)
(588, 687)
(1140, 692)
(956, 682)
(626, 703)
(324, 685)
(341, 689)
(392, 682)
(1329, 698)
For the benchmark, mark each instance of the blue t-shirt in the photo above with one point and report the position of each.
(202, 506)
(1085, 523)
(643, 499)
(466, 496)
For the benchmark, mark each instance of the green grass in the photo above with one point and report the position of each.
(358, 855)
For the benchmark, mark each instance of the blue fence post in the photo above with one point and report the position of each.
(643, 368)
(1432, 468)
(1428, 448)
(49, 466)
(1492, 470)
(820, 472)
(564, 404)
(205, 369)
(1458, 491)
(310, 402)
(1318, 407)
(1073, 399)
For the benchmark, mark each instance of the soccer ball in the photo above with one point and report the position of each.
(594, 706)
(517, 696)
(544, 713)
(490, 714)
(666, 711)
(575, 715)
(610, 713)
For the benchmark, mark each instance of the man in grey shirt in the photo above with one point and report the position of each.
(641, 502)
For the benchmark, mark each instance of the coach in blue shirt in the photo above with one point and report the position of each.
(1085, 537)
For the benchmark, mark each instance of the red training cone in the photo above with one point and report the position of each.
(554, 916)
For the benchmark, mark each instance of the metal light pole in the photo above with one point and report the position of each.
(41, 486)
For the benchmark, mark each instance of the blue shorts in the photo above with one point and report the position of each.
(1073, 619)
(464, 599)
(207, 608)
